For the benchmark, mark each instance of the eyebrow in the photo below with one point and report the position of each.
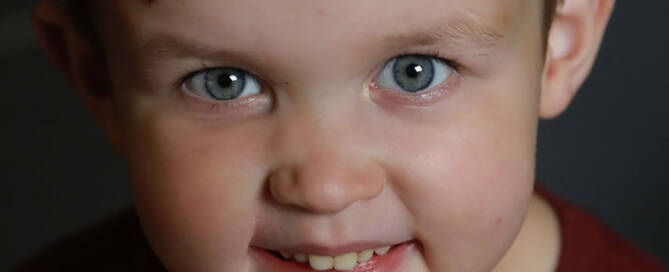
(459, 35)
(170, 44)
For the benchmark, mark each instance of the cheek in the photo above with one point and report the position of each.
(195, 188)
(469, 182)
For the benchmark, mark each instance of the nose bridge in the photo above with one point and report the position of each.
(319, 167)
(311, 125)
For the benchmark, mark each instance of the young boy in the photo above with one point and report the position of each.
(303, 135)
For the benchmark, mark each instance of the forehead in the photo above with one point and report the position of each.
(304, 21)
(271, 35)
(323, 9)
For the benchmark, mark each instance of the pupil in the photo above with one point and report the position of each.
(413, 73)
(413, 70)
(226, 80)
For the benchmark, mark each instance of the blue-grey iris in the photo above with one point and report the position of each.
(225, 83)
(413, 73)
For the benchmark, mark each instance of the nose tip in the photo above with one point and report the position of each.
(325, 186)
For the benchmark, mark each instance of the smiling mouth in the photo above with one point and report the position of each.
(382, 259)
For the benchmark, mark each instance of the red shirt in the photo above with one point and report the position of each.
(589, 246)
(119, 245)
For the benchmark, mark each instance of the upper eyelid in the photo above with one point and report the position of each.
(183, 87)
(431, 52)
(416, 97)
(435, 53)
(206, 67)
(192, 74)
(168, 46)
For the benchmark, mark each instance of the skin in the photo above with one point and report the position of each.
(323, 156)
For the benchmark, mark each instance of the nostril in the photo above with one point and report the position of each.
(325, 185)
(284, 189)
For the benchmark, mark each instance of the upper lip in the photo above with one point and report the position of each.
(323, 250)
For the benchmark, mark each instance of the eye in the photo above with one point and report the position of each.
(414, 73)
(222, 83)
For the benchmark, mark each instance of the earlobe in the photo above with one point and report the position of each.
(81, 63)
(574, 39)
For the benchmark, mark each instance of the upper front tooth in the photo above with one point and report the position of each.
(346, 261)
(382, 250)
(321, 262)
(365, 255)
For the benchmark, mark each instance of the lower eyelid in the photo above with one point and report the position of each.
(193, 103)
(422, 98)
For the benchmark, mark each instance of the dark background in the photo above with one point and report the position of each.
(609, 153)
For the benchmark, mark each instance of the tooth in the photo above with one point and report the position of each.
(285, 255)
(382, 250)
(365, 255)
(346, 261)
(321, 262)
(302, 258)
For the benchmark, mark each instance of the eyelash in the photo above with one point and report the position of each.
(213, 107)
(437, 54)
(190, 74)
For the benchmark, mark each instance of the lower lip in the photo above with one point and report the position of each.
(379, 263)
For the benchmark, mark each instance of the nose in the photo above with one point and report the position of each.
(326, 183)
(324, 166)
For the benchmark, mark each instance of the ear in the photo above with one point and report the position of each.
(574, 39)
(82, 62)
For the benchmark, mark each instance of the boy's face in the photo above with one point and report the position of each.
(335, 150)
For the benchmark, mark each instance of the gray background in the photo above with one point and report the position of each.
(608, 153)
